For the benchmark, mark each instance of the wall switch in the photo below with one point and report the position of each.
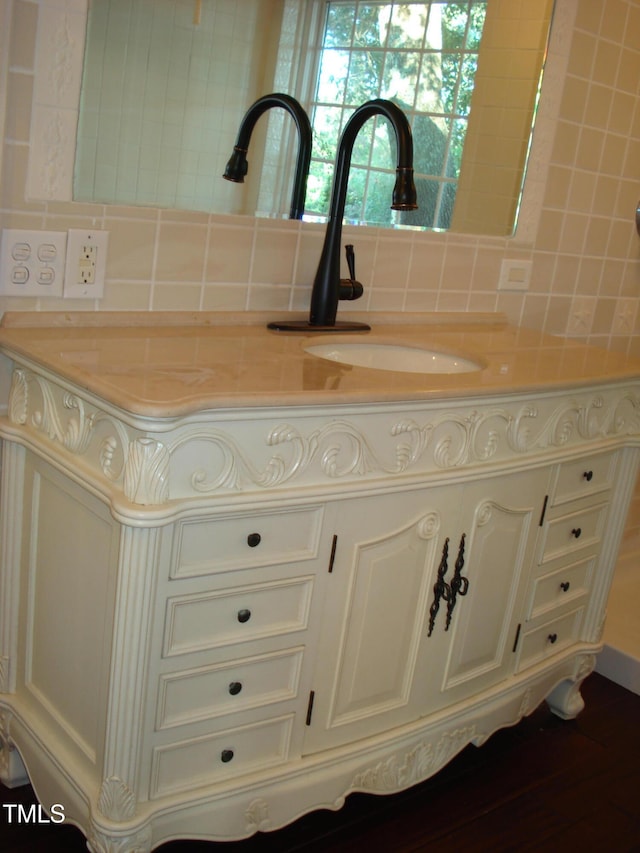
(86, 263)
(32, 263)
(514, 275)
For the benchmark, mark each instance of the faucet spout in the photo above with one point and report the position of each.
(326, 290)
(238, 166)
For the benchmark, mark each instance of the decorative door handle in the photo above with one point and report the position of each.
(459, 584)
(441, 589)
(638, 218)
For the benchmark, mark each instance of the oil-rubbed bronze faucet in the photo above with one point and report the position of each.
(237, 166)
(328, 288)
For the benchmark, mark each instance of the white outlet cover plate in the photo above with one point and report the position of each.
(78, 240)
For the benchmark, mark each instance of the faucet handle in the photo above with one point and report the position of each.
(350, 288)
(351, 260)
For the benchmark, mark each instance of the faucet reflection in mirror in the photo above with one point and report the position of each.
(238, 166)
(328, 288)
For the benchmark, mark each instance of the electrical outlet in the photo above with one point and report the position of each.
(86, 263)
(32, 263)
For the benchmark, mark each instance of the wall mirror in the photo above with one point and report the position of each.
(165, 85)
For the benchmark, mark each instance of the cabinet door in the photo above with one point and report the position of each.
(386, 548)
(494, 544)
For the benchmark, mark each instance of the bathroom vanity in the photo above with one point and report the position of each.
(240, 581)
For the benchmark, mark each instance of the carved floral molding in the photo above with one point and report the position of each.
(425, 759)
(145, 468)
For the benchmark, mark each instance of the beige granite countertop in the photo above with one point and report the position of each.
(166, 365)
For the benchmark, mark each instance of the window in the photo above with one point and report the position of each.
(423, 56)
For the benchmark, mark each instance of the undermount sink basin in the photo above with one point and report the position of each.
(381, 356)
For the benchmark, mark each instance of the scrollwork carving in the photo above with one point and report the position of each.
(398, 772)
(349, 453)
(66, 418)
(429, 526)
(146, 473)
(586, 665)
(116, 800)
(449, 440)
(338, 449)
(257, 816)
(484, 513)
(18, 397)
(407, 453)
(139, 842)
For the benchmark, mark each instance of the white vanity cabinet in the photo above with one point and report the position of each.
(216, 621)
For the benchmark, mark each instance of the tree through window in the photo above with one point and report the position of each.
(423, 56)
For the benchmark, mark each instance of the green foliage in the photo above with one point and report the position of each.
(373, 49)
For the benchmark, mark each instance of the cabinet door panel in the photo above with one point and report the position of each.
(382, 625)
(499, 519)
(380, 588)
(495, 553)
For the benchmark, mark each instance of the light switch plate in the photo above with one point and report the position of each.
(514, 274)
(32, 263)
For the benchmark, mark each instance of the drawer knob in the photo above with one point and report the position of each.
(244, 615)
(564, 586)
(588, 475)
(577, 532)
(226, 755)
(235, 687)
(253, 540)
(552, 638)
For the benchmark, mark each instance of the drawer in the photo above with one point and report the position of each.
(549, 638)
(208, 692)
(201, 761)
(561, 586)
(223, 543)
(208, 620)
(572, 532)
(584, 476)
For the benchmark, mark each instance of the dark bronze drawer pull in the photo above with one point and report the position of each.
(564, 586)
(253, 540)
(235, 687)
(552, 638)
(588, 475)
(244, 615)
(577, 532)
(226, 755)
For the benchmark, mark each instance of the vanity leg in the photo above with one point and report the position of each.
(565, 700)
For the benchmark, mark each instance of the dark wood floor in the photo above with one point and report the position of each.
(544, 785)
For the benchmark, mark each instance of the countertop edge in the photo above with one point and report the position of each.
(149, 319)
